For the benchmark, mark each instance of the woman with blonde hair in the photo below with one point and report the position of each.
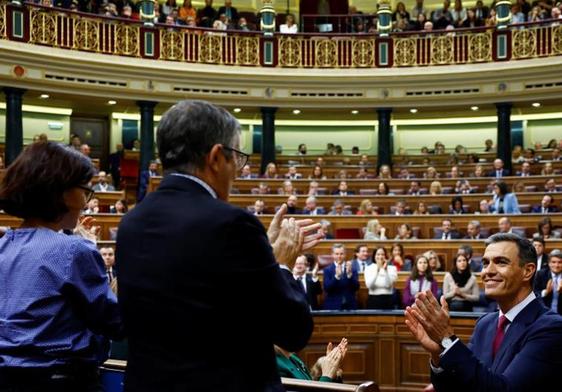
(270, 171)
(366, 208)
(433, 259)
(431, 173)
(435, 188)
(375, 231)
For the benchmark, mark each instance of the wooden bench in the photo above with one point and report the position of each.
(385, 203)
(302, 185)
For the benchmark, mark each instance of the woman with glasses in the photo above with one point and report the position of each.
(57, 305)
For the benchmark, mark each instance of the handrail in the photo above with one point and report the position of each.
(292, 385)
(67, 29)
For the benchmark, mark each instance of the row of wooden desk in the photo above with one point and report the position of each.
(465, 170)
(384, 203)
(302, 185)
(425, 223)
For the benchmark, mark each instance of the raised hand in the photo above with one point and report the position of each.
(433, 317)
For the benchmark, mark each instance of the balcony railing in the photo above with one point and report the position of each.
(65, 29)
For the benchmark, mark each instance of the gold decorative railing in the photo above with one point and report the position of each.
(84, 32)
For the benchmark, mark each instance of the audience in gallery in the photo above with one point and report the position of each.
(289, 27)
(380, 277)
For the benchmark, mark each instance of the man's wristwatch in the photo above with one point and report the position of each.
(448, 341)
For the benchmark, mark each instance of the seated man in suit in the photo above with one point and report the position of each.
(145, 178)
(103, 185)
(342, 190)
(292, 173)
(473, 231)
(504, 225)
(498, 171)
(447, 231)
(292, 205)
(310, 283)
(414, 189)
(246, 173)
(525, 170)
(311, 208)
(259, 207)
(515, 349)
(341, 282)
(547, 205)
(550, 186)
(549, 282)
(339, 208)
(400, 208)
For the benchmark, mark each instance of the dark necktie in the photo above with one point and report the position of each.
(300, 279)
(500, 333)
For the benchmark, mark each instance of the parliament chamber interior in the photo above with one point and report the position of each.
(395, 124)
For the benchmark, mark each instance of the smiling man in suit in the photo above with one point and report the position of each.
(193, 263)
(515, 349)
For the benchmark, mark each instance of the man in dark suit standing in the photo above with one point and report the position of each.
(192, 264)
(144, 179)
(229, 11)
(549, 282)
(310, 283)
(517, 348)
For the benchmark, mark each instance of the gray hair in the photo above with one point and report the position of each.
(337, 246)
(475, 223)
(189, 130)
(526, 250)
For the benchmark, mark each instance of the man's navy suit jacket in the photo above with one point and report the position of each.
(202, 297)
(529, 358)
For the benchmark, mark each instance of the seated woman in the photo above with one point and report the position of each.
(366, 208)
(289, 27)
(385, 173)
(420, 279)
(326, 368)
(57, 307)
(431, 173)
(504, 202)
(435, 188)
(270, 171)
(380, 278)
(460, 287)
(383, 189)
(422, 209)
(317, 174)
(478, 171)
(404, 232)
(456, 206)
(120, 207)
(434, 262)
(545, 229)
(375, 231)
(398, 259)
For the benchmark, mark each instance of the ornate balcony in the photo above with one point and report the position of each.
(113, 36)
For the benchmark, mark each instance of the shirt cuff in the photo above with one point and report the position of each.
(439, 369)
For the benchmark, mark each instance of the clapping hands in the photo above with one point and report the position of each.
(290, 237)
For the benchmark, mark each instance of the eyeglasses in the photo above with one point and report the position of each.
(89, 192)
(241, 157)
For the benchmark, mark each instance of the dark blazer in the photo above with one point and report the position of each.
(455, 235)
(197, 275)
(538, 209)
(340, 293)
(337, 193)
(144, 179)
(492, 173)
(541, 280)
(233, 12)
(313, 290)
(528, 358)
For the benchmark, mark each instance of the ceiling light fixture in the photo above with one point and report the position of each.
(44, 96)
(111, 102)
(474, 108)
(414, 110)
(296, 111)
(536, 104)
(355, 112)
(236, 110)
